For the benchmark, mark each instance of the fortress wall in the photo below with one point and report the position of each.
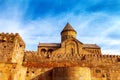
(115, 74)
(7, 71)
(71, 73)
(39, 73)
(98, 73)
(18, 52)
(20, 73)
(6, 50)
(80, 60)
(11, 48)
(6, 47)
(10, 71)
(100, 58)
(31, 56)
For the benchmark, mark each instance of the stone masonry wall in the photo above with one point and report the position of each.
(71, 73)
(6, 50)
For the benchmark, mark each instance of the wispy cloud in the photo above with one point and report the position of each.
(43, 23)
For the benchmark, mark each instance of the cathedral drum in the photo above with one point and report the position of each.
(71, 73)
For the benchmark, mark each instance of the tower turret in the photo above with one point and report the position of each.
(68, 32)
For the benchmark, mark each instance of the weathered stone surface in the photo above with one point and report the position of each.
(71, 73)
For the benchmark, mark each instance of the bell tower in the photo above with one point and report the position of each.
(68, 32)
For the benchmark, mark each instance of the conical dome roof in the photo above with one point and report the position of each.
(68, 27)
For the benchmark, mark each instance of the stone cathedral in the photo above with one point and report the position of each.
(69, 60)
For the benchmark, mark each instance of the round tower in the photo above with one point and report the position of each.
(68, 32)
(71, 73)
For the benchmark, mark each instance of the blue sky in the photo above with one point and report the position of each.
(96, 21)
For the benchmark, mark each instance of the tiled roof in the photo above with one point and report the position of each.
(68, 27)
(90, 46)
(49, 44)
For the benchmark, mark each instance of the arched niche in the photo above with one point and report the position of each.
(71, 47)
(43, 51)
(49, 53)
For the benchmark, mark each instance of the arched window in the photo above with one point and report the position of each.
(50, 51)
(43, 51)
(72, 51)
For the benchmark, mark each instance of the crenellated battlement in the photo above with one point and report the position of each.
(11, 37)
(30, 55)
(11, 45)
(85, 60)
(30, 52)
(8, 37)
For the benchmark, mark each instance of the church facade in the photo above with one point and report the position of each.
(69, 60)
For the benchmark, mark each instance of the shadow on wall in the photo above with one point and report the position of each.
(44, 76)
